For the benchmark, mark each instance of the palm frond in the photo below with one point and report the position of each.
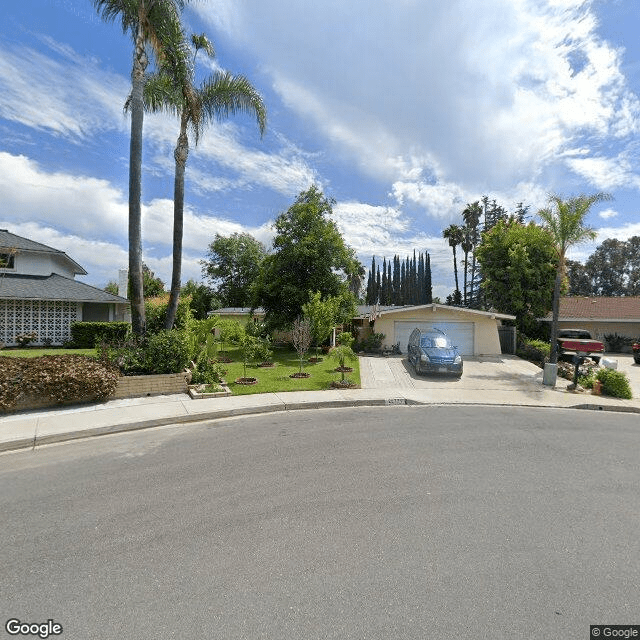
(224, 94)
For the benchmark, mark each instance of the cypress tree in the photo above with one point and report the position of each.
(396, 280)
(378, 286)
(383, 283)
(427, 280)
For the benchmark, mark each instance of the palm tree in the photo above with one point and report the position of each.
(471, 216)
(155, 23)
(564, 219)
(220, 95)
(454, 234)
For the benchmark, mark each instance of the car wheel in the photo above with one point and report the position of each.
(636, 360)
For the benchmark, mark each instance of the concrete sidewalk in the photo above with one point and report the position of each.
(487, 381)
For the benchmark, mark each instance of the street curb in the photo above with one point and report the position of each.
(32, 443)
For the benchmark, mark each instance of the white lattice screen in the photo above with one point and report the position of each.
(49, 319)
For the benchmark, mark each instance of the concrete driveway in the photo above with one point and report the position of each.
(493, 374)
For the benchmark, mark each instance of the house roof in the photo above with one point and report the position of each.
(368, 311)
(237, 311)
(53, 287)
(599, 309)
(12, 241)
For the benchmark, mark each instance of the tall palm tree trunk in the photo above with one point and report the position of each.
(553, 357)
(138, 320)
(466, 260)
(180, 154)
(455, 268)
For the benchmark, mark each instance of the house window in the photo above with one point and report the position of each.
(7, 261)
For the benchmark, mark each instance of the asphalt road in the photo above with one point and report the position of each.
(381, 523)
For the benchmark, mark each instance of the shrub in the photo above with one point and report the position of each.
(167, 352)
(208, 372)
(163, 352)
(535, 351)
(616, 343)
(156, 312)
(24, 339)
(85, 335)
(614, 383)
(62, 379)
(372, 342)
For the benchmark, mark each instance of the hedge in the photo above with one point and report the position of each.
(86, 335)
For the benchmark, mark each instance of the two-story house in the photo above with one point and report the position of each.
(39, 293)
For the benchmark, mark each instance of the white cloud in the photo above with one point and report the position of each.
(71, 96)
(608, 213)
(86, 205)
(475, 98)
(607, 173)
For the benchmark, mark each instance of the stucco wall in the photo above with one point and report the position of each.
(42, 264)
(486, 340)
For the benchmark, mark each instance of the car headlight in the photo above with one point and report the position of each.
(458, 360)
(424, 358)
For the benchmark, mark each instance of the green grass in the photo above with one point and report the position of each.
(34, 353)
(277, 379)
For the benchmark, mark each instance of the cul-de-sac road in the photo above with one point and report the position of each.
(395, 522)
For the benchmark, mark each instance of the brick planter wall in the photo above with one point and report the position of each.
(137, 386)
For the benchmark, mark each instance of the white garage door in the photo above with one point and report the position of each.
(460, 333)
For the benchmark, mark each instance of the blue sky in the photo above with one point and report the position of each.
(403, 113)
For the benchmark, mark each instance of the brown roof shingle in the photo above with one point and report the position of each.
(599, 308)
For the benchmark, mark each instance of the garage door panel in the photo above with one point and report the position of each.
(460, 333)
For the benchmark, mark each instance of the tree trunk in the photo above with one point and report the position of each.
(556, 314)
(466, 259)
(455, 268)
(180, 154)
(140, 61)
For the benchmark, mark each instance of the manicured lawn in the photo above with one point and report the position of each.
(34, 353)
(277, 379)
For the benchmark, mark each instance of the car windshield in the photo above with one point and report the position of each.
(435, 342)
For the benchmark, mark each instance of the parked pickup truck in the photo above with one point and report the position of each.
(573, 342)
(636, 352)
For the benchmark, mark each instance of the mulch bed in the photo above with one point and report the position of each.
(246, 380)
(300, 375)
(344, 369)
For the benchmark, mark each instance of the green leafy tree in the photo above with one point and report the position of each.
(578, 280)
(309, 254)
(565, 221)
(220, 95)
(233, 267)
(153, 286)
(154, 25)
(518, 264)
(608, 268)
(230, 331)
(202, 299)
(250, 349)
(112, 287)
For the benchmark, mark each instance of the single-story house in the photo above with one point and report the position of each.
(601, 316)
(473, 332)
(39, 293)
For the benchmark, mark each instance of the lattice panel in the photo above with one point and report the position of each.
(49, 319)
